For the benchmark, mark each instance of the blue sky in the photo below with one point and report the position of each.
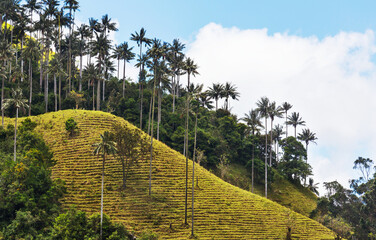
(182, 19)
(317, 55)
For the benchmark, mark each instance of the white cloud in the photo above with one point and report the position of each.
(330, 82)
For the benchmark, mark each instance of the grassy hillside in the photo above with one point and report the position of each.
(281, 190)
(222, 211)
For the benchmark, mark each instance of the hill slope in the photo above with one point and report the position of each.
(222, 211)
(281, 190)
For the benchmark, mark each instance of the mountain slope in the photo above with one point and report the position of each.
(222, 211)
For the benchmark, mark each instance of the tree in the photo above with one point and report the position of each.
(253, 121)
(364, 165)
(191, 69)
(131, 145)
(71, 126)
(6, 53)
(57, 70)
(294, 119)
(104, 147)
(307, 136)
(32, 53)
(216, 92)
(274, 111)
(263, 109)
(126, 56)
(91, 74)
(277, 133)
(78, 97)
(229, 90)
(72, 5)
(140, 38)
(176, 62)
(286, 107)
(17, 101)
(84, 33)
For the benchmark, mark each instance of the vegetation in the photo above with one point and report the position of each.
(221, 210)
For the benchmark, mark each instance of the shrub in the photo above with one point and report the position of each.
(71, 126)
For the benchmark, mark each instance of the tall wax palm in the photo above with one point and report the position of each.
(229, 90)
(126, 56)
(191, 69)
(6, 54)
(274, 111)
(73, 6)
(17, 101)
(140, 38)
(155, 53)
(277, 135)
(294, 119)
(307, 136)
(91, 75)
(104, 147)
(101, 48)
(216, 92)
(117, 56)
(286, 107)
(196, 92)
(20, 28)
(107, 25)
(32, 6)
(84, 33)
(253, 121)
(32, 53)
(94, 26)
(263, 108)
(175, 59)
(57, 70)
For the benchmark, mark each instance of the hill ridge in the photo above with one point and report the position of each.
(222, 211)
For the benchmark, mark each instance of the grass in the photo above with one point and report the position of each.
(282, 191)
(222, 211)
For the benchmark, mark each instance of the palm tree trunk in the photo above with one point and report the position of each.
(305, 177)
(55, 92)
(286, 125)
(142, 99)
(271, 142)
(141, 87)
(159, 110)
(151, 102)
(151, 136)
(216, 104)
(46, 85)
(98, 95)
(15, 134)
(193, 175)
(124, 78)
(266, 158)
(80, 84)
(93, 95)
(118, 68)
(104, 159)
(186, 154)
(295, 131)
(173, 93)
(2, 99)
(59, 92)
(253, 161)
(31, 85)
(22, 63)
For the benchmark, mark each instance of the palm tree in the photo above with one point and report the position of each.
(18, 102)
(57, 70)
(253, 121)
(155, 52)
(263, 108)
(32, 53)
(229, 90)
(313, 186)
(91, 74)
(126, 56)
(20, 28)
(307, 136)
(107, 25)
(176, 59)
(84, 33)
(6, 53)
(216, 92)
(294, 119)
(73, 6)
(141, 39)
(101, 47)
(32, 6)
(191, 69)
(105, 147)
(277, 135)
(94, 26)
(286, 107)
(274, 111)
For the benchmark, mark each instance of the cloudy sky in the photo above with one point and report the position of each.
(318, 56)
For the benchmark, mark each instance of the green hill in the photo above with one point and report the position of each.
(282, 191)
(222, 211)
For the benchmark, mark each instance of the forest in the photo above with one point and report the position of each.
(48, 63)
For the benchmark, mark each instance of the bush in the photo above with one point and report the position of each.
(71, 126)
